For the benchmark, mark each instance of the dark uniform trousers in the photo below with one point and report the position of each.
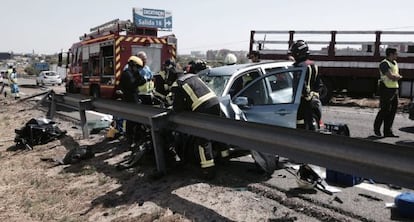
(388, 108)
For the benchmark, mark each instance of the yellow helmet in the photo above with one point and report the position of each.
(136, 60)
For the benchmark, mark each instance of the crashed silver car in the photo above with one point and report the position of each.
(267, 92)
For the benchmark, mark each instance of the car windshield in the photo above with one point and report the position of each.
(216, 83)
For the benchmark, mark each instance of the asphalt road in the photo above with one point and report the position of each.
(360, 122)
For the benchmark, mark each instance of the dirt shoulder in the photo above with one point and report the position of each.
(94, 190)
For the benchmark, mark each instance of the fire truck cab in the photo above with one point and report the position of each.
(96, 62)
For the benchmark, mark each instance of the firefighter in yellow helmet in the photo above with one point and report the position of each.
(130, 80)
(190, 93)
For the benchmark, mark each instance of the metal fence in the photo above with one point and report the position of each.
(379, 161)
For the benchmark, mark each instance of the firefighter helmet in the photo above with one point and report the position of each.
(136, 60)
(230, 59)
(196, 66)
(169, 63)
(299, 50)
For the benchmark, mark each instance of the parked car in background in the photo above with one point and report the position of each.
(48, 78)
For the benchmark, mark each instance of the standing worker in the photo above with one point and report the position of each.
(14, 87)
(310, 92)
(190, 93)
(388, 92)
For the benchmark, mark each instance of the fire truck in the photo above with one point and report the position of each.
(348, 61)
(96, 62)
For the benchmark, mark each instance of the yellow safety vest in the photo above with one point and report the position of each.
(146, 87)
(389, 83)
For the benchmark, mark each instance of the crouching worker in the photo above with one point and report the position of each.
(191, 94)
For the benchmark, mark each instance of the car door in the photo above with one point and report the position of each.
(273, 98)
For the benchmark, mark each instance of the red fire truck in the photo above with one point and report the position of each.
(348, 60)
(96, 62)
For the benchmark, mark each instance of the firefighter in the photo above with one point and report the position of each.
(190, 93)
(230, 59)
(164, 80)
(130, 80)
(310, 96)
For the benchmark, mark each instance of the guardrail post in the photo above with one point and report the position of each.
(52, 107)
(158, 123)
(83, 106)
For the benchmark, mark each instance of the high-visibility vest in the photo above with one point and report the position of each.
(389, 83)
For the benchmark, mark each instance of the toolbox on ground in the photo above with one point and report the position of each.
(342, 179)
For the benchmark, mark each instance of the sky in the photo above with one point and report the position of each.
(50, 26)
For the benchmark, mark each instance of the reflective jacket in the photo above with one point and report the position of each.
(389, 83)
(192, 94)
(312, 80)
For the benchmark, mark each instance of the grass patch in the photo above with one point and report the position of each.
(88, 170)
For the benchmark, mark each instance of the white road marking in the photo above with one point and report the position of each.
(377, 189)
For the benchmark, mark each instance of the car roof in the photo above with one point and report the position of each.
(229, 70)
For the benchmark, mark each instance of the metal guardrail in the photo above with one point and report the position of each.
(379, 161)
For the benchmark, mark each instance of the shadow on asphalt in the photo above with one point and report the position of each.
(407, 129)
(406, 143)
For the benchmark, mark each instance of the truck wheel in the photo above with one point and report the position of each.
(325, 92)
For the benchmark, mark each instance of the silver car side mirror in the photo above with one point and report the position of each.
(241, 101)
